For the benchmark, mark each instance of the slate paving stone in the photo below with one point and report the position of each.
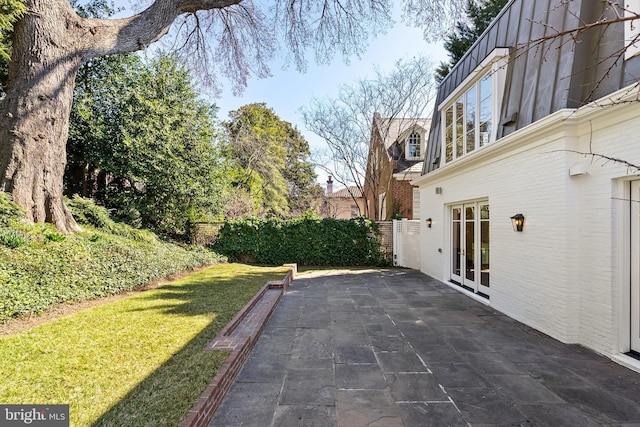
(452, 332)
(308, 387)
(439, 354)
(354, 353)
(486, 406)
(415, 387)
(401, 362)
(431, 415)
(422, 301)
(313, 343)
(458, 375)
(390, 344)
(417, 325)
(602, 405)
(561, 415)
(371, 408)
(492, 363)
(317, 320)
(305, 416)
(263, 369)
(467, 344)
(276, 342)
(554, 375)
(419, 354)
(365, 300)
(247, 404)
(341, 337)
(310, 363)
(361, 376)
(523, 389)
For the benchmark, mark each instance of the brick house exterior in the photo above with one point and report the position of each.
(396, 152)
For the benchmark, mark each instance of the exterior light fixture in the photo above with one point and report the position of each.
(518, 222)
(429, 222)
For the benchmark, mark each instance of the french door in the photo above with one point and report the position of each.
(635, 266)
(470, 246)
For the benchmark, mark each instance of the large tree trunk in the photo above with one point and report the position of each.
(35, 114)
(49, 45)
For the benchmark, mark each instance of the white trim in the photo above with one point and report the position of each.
(634, 303)
(533, 132)
(561, 120)
(498, 54)
(494, 66)
(627, 361)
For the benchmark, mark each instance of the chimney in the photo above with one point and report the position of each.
(329, 186)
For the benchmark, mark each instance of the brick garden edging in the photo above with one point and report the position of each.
(240, 336)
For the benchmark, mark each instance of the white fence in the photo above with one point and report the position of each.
(406, 243)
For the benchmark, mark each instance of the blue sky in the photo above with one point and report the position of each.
(289, 90)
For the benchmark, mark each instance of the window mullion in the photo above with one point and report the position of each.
(477, 117)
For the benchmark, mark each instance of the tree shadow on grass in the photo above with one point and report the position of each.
(166, 395)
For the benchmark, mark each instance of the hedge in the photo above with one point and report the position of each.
(305, 241)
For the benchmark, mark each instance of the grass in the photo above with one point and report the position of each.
(139, 361)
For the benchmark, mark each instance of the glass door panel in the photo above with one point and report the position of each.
(484, 246)
(470, 238)
(456, 244)
(470, 246)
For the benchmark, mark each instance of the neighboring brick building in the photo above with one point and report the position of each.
(396, 151)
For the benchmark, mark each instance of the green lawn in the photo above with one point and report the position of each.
(139, 361)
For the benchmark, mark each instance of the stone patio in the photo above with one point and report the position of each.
(398, 348)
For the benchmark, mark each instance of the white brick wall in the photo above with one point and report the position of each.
(561, 275)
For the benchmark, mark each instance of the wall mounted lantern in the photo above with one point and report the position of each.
(518, 222)
(429, 222)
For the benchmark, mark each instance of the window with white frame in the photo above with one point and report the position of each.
(414, 141)
(469, 115)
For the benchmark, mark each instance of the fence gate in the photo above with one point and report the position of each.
(406, 243)
(386, 238)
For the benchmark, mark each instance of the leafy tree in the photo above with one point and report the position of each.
(480, 13)
(232, 38)
(269, 161)
(10, 12)
(142, 142)
(344, 122)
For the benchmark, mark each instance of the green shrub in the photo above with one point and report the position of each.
(9, 210)
(54, 237)
(306, 241)
(86, 212)
(36, 274)
(12, 238)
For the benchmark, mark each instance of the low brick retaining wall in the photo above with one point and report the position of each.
(240, 336)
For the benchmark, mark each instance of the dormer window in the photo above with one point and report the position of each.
(414, 142)
(469, 115)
